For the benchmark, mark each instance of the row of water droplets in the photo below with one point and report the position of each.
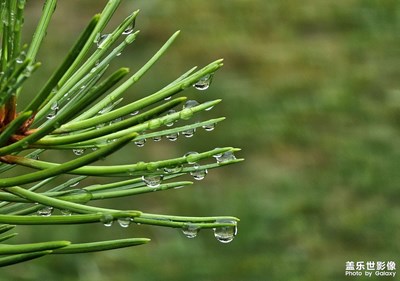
(186, 133)
(108, 221)
(202, 84)
(198, 173)
(223, 234)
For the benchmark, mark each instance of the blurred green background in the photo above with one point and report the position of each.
(311, 91)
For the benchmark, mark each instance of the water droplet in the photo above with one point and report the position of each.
(102, 39)
(140, 143)
(116, 120)
(173, 169)
(130, 28)
(99, 126)
(78, 151)
(189, 133)
(198, 174)
(134, 113)
(225, 157)
(204, 82)
(190, 104)
(118, 54)
(191, 157)
(190, 230)
(20, 59)
(225, 234)
(152, 181)
(124, 222)
(168, 98)
(106, 109)
(51, 115)
(107, 220)
(209, 127)
(172, 136)
(169, 122)
(26, 73)
(66, 212)
(54, 107)
(158, 138)
(45, 211)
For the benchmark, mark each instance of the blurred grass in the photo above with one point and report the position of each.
(312, 95)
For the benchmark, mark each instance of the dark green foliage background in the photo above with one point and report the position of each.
(311, 90)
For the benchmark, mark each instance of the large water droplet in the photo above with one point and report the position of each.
(54, 110)
(190, 104)
(173, 169)
(99, 126)
(172, 136)
(130, 28)
(140, 143)
(107, 220)
(20, 59)
(204, 82)
(209, 127)
(189, 133)
(225, 234)
(136, 112)
(225, 157)
(124, 222)
(45, 211)
(54, 106)
(66, 212)
(169, 122)
(78, 151)
(102, 39)
(198, 174)
(152, 181)
(190, 230)
(157, 138)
